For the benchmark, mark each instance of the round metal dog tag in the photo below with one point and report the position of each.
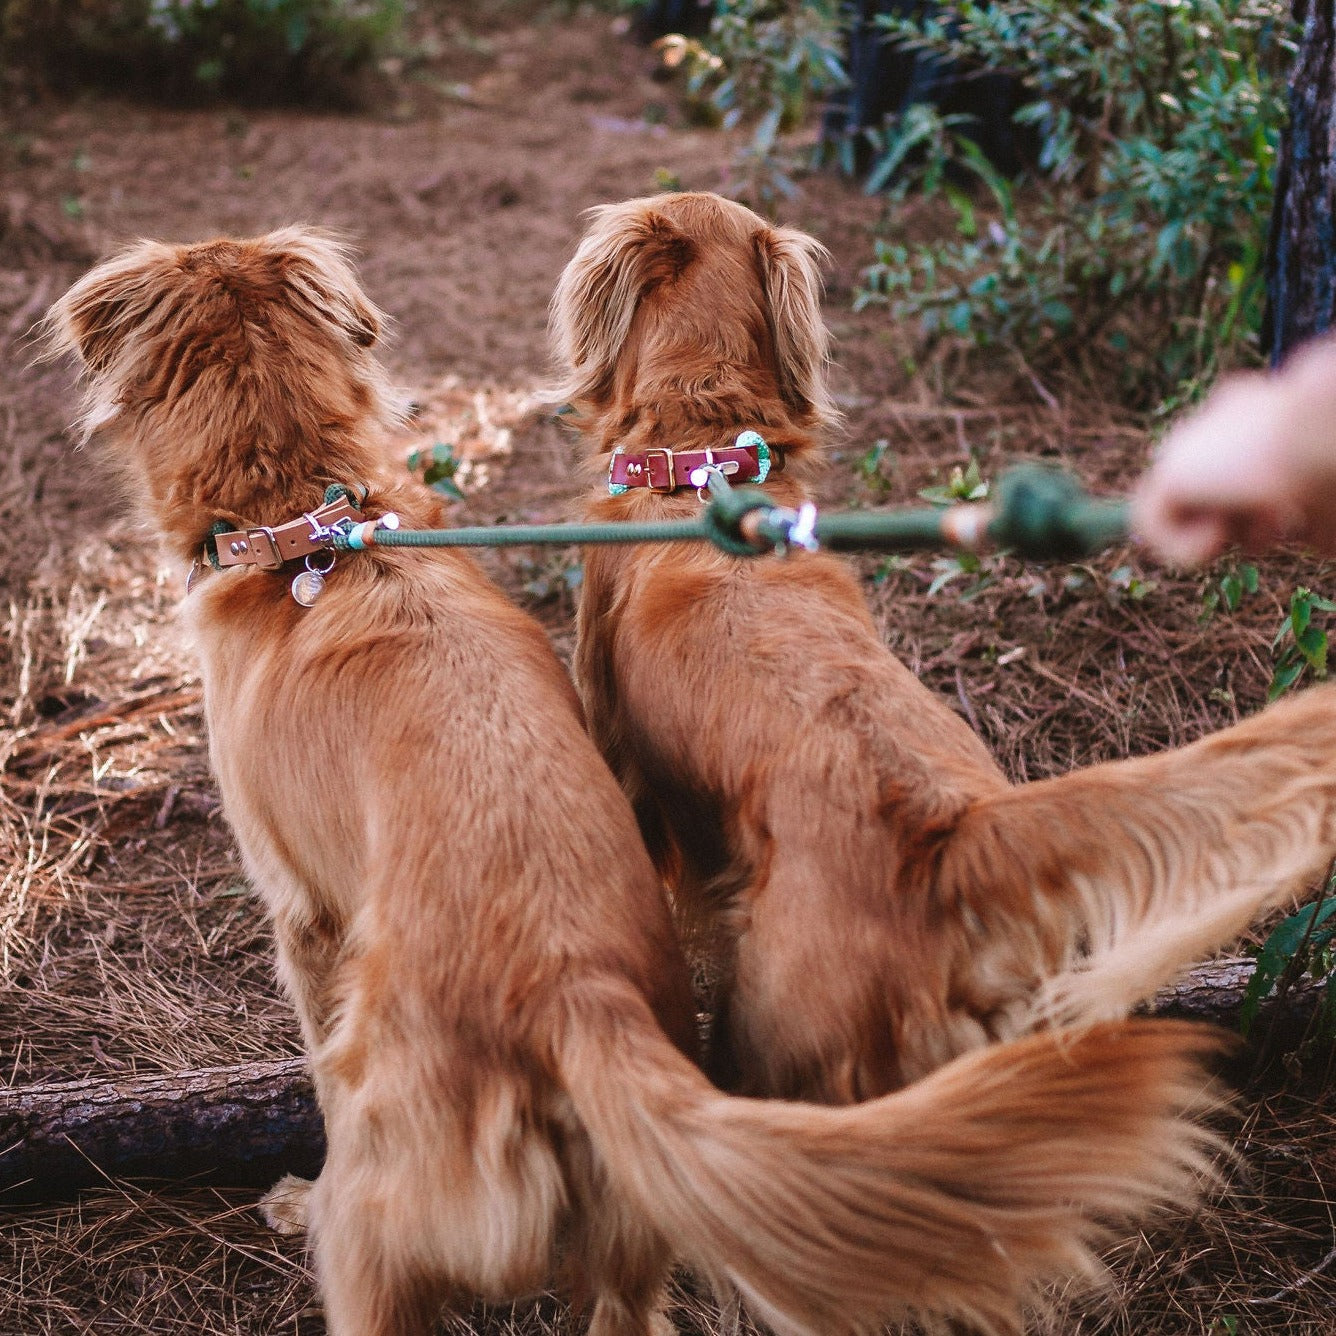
(306, 587)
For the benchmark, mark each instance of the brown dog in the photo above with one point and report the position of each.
(469, 925)
(886, 900)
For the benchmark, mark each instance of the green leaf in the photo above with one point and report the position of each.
(1058, 312)
(1313, 646)
(298, 30)
(966, 222)
(1286, 675)
(1279, 951)
(1301, 611)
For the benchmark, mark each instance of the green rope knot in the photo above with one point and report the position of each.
(211, 548)
(1044, 513)
(723, 515)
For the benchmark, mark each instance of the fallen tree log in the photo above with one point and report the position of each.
(247, 1125)
(1214, 992)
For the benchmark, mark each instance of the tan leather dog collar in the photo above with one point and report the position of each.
(748, 459)
(270, 547)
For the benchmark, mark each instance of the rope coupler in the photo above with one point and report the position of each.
(1039, 513)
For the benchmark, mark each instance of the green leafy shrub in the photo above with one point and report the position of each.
(261, 51)
(765, 63)
(1142, 229)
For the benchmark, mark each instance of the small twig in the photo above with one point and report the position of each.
(1040, 388)
(168, 805)
(1294, 1285)
(965, 702)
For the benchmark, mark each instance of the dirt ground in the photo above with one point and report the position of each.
(128, 942)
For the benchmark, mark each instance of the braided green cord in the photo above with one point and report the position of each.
(1040, 513)
(663, 531)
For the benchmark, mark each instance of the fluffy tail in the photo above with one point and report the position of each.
(952, 1199)
(1118, 877)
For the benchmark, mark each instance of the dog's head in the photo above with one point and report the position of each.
(696, 296)
(223, 373)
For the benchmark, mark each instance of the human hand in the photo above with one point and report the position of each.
(1254, 465)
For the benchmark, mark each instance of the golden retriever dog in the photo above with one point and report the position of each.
(879, 899)
(497, 1013)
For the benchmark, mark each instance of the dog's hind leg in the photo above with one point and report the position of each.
(616, 1257)
(365, 1279)
(308, 953)
(629, 1296)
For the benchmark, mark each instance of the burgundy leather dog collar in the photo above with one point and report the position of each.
(268, 548)
(664, 470)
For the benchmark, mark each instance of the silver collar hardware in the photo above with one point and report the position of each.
(308, 585)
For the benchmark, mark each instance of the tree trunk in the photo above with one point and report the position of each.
(1301, 263)
(246, 1126)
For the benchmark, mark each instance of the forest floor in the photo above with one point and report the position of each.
(128, 941)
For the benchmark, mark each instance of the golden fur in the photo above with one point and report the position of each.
(878, 897)
(473, 935)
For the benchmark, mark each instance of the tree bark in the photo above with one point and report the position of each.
(246, 1126)
(1301, 263)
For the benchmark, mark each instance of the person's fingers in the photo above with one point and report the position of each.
(1178, 535)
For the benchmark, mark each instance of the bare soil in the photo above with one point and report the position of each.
(128, 940)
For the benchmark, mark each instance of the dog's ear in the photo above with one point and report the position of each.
(624, 255)
(318, 265)
(791, 263)
(93, 317)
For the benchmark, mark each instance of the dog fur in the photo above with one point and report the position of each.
(877, 897)
(475, 939)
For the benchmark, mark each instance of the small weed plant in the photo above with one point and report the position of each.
(1300, 643)
(1302, 944)
(1141, 230)
(964, 484)
(877, 468)
(438, 468)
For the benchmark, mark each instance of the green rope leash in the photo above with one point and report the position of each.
(1039, 513)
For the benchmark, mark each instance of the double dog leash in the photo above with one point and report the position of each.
(1037, 512)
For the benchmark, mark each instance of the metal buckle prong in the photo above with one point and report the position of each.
(275, 558)
(671, 484)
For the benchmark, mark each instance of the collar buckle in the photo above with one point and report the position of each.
(263, 548)
(670, 484)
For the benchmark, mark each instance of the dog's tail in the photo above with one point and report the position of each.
(1128, 872)
(954, 1198)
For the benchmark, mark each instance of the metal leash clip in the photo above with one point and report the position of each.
(786, 529)
(700, 476)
